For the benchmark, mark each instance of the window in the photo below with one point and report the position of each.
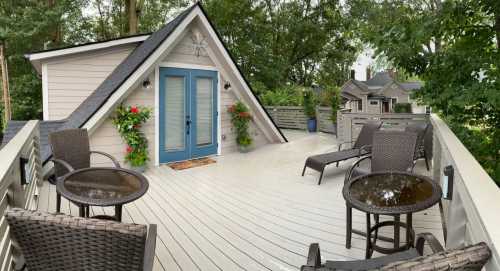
(373, 102)
(360, 105)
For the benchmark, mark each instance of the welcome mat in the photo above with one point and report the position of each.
(191, 163)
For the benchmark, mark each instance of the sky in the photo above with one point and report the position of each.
(364, 60)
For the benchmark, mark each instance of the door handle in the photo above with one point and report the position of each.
(188, 124)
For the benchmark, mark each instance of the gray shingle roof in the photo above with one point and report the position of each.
(46, 127)
(380, 79)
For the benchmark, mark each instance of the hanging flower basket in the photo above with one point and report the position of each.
(128, 121)
(240, 118)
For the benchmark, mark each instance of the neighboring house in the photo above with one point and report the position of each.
(183, 72)
(379, 94)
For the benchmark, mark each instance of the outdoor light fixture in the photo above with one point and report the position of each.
(146, 84)
(227, 85)
(447, 182)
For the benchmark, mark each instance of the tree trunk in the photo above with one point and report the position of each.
(131, 10)
(5, 83)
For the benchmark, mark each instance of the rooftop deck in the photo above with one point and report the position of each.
(248, 211)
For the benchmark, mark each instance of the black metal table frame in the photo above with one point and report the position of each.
(396, 212)
(84, 203)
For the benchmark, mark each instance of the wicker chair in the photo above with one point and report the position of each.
(56, 242)
(391, 151)
(361, 147)
(468, 258)
(71, 151)
(424, 132)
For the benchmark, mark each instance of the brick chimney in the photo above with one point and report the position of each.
(368, 73)
(353, 74)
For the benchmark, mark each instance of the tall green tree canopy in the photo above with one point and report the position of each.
(453, 46)
(281, 42)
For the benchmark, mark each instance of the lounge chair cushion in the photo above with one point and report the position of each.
(318, 162)
(374, 263)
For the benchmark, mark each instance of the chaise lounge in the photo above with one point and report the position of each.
(361, 147)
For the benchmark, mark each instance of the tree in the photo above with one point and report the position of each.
(281, 42)
(453, 46)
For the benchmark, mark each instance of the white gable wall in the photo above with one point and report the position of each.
(106, 138)
(68, 80)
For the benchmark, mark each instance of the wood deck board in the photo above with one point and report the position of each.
(248, 211)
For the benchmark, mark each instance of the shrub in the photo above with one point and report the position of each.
(402, 108)
(284, 96)
(330, 97)
(309, 103)
(128, 121)
(240, 118)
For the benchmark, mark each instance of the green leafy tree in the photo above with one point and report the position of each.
(453, 46)
(281, 42)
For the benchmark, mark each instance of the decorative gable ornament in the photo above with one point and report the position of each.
(199, 42)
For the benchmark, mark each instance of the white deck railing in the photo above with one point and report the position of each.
(20, 159)
(473, 213)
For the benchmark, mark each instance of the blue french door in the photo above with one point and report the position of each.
(188, 114)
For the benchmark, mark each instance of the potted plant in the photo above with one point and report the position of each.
(128, 121)
(240, 118)
(309, 104)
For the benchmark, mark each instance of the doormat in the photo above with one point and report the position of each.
(191, 163)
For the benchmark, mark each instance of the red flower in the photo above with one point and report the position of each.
(244, 115)
(231, 109)
(129, 149)
(134, 109)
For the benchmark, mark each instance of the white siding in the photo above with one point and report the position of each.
(71, 79)
(228, 134)
(184, 53)
(106, 138)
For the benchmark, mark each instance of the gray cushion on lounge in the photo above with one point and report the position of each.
(318, 162)
(373, 263)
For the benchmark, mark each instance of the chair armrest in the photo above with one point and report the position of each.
(115, 162)
(343, 143)
(149, 249)
(422, 238)
(348, 174)
(347, 142)
(366, 148)
(63, 163)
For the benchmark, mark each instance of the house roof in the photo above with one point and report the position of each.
(376, 84)
(380, 79)
(36, 58)
(118, 76)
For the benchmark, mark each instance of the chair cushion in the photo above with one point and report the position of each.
(318, 162)
(372, 263)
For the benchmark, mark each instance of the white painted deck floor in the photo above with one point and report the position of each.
(249, 211)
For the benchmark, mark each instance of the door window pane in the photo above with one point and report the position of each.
(175, 122)
(204, 111)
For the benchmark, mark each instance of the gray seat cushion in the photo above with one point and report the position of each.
(372, 263)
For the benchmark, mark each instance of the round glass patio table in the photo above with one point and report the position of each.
(394, 194)
(102, 186)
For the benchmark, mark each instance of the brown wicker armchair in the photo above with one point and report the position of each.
(56, 242)
(391, 151)
(424, 140)
(359, 148)
(71, 151)
(469, 258)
